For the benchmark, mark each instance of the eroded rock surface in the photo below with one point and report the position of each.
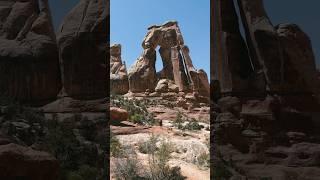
(29, 63)
(82, 41)
(177, 63)
(119, 83)
(269, 129)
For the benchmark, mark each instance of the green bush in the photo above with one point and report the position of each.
(178, 121)
(137, 109)
(136, 118)
(193, 125)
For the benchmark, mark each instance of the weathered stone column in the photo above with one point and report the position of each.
(230, 63)
(178, 73)
(198, 78)
(142, 75)
(263, 42)
(119, 83)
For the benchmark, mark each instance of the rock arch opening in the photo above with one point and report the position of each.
(177, 64)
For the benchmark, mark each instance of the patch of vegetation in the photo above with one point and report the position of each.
(178, 121)
(62, 141)
(116, 149)
(192, 125)
(128, 167)
(65, 140)
(149, 146)
(137, 109)
(203, 160)
(158, 164)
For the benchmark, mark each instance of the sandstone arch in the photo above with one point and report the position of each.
(177, 64)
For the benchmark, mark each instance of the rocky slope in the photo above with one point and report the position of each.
(186, 130)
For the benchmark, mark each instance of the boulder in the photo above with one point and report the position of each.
(82, 48)
(166, 85)
(21, 162)
(118, 114)
(29, 62)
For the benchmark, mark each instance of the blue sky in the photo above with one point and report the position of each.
(306, 14)
(59, 9)
(131, 18)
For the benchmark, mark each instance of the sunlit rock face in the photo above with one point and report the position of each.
(177, 64)
(119, 83)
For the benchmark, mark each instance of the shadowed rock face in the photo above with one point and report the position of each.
(263, 42)
(29, 64)
(299, 68)
(177, 64)
(272, 125)
(119, 83)
(82, 39)
(272, 60)
(231, 62)
(18, 161)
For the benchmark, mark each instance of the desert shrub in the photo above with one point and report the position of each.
(127, 169)
(137, 118)
(116, 149)
(159, 169)
(137, 109)
(193, 125)
(128, 166)
(62, 143)
(203, 160)
(148, 146)
(163, 153)
(178, 121)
